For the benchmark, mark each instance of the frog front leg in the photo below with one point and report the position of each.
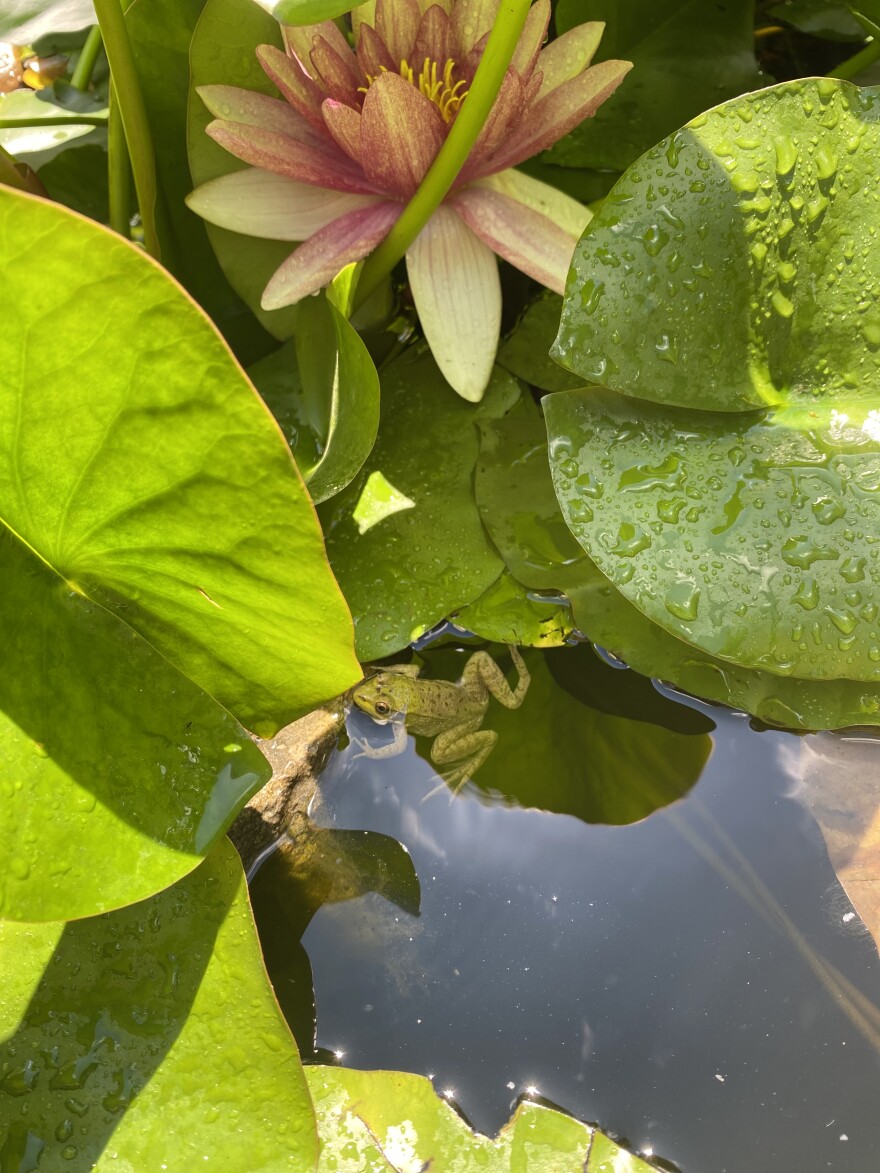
(394, 747)
(482, 677)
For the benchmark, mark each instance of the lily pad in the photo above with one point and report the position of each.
(752, 537)
(687, 55)
(737, 264)
(386, 1120)
(223, 52)
(306, 11)
(24, 21)
(158, 1012)
(525, 352)
(139, 465)
(405, 538)
(507, 613)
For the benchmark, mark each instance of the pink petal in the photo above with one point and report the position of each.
(299, 40)
(373, 53)
(553, 116)
(397, 23)
(303, 93)
(249, 108)
(532, 38)
(401, 133)
(457, 291)
(568, 214)
(363, 16)
(344, 124)
(569, 54)
(324, 167)
(470, 60)
(261, 203)
(434, 40)
(530, 241)
(341, 76)
(316, 262)
(472, 19)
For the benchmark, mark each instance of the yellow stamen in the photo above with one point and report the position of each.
(440, 88)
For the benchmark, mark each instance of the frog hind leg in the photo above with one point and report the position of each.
(482, 677)
(464, 753)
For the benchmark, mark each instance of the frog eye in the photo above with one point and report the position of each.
(382, 707)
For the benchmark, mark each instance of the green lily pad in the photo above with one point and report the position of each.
(405, 538)
(602, 613)
(737, 264)
(140, 467)
(752, 537)
(388, 1120)
(306, 11)
(525, 352)
(223, 52)
(687, 55)
(515, 493)
(157, 1013)
(507, 613)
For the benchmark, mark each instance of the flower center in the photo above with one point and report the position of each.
(439, 87)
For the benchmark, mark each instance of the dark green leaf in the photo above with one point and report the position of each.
(150, 1039)
(688, 55)
(525, 352)
(307, 11)
(405, 539)
(77, 178)
(831, 19)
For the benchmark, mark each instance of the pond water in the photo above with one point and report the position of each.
(695, 981)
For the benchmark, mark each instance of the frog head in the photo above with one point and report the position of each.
(384, 696)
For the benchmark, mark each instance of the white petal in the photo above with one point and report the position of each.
(457, 291)
(260, 203)
(570, 215)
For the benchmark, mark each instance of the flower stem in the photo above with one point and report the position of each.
(452, 155)
(858, 62)
(133, 114)
(119, 171)
(82, 75)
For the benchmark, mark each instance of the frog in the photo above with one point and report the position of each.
(449, 712)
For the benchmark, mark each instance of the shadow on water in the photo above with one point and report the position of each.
(686, 978)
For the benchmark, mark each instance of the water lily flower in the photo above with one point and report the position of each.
(333, 162)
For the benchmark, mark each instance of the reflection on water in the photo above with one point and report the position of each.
(693, 982)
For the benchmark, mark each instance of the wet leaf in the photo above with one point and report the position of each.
(160, 32)
(158, 1012)
(32, 122)
(507, 613)
(525, 352)
(387, 1120)
(405, 539)
(172, 503)
(735, 265)
(223, 52)
(750, 537)
(25, 21)
(687, 56)
(568, 750)
(519, 507)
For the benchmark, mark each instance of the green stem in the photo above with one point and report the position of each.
(863, 58)
(133, 113)
(61, 120)
(82, 75)
(119, 171)
(458, 145)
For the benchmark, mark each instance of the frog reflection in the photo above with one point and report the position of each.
(451, 713)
